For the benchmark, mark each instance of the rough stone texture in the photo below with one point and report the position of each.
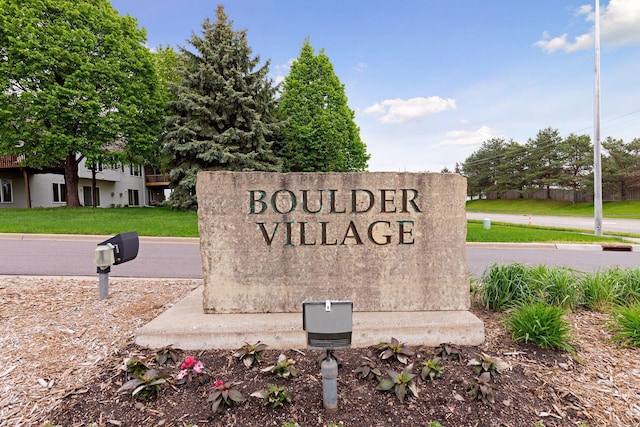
(249, 269)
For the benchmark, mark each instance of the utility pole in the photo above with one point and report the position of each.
(597, 166)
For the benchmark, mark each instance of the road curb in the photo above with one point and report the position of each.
(93, 238)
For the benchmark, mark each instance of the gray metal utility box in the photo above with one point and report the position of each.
(328, 324)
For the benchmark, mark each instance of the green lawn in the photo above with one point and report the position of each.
(166, 222)
(626, 209)
(500, 232)
(146, 221)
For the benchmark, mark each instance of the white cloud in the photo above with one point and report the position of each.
(360, 67)
(469, 138)
(619, 22)
(396, 111)
(281, 71)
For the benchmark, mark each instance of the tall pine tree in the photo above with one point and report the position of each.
(321, 134)
(223, 114)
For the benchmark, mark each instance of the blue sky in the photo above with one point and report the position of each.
(430, 80)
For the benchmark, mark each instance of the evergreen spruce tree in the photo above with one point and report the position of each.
(321, 134)
(223, 113)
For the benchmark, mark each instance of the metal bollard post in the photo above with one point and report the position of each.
(329, 371)
(103, 283)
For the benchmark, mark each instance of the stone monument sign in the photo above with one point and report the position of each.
(391, 242)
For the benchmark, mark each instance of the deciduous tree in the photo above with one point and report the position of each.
(76, 81)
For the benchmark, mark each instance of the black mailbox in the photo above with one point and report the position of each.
(125, 246)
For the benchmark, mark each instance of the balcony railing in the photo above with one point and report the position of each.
(157, 179)
(10, 161)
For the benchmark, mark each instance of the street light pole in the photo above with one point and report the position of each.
(597, 167)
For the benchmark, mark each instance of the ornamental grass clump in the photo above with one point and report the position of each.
(625, 324)
(629, 286)
(504, 285)
(540, 324)
(555, 285)
(601, 290)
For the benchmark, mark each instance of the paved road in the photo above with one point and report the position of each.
(43, 256)
(180, 258)
(609, 225)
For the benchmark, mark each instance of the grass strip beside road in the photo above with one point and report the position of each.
(626, 209)
(164, 222)
(502, 232)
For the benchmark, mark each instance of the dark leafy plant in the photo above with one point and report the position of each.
(167, 355)
(368, 370)
(225, 395)
(431, 369)
(401, 383)
(481, 389)
(540, 324)
(484, 363)
(146, 385)
(133, 368)
(626, 325)
(250, 353)
(275, 396)
(448, 351)
(284, 368)
(192, 371)
(396, 349)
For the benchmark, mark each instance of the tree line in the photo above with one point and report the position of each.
(77, 82)
(549, 161)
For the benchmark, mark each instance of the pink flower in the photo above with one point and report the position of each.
(219, 384)
(188, 362)
(183, 373)
(198, 367)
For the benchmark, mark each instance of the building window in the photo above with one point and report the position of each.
(134, 170)
(134, 198)
(88, 199)
(6, 195)
(59, 193)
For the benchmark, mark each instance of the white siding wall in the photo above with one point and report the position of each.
(113, 184)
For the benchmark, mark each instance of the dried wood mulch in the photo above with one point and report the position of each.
(61, 348)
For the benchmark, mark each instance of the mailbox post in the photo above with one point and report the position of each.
(329, 327)
(116, 250)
